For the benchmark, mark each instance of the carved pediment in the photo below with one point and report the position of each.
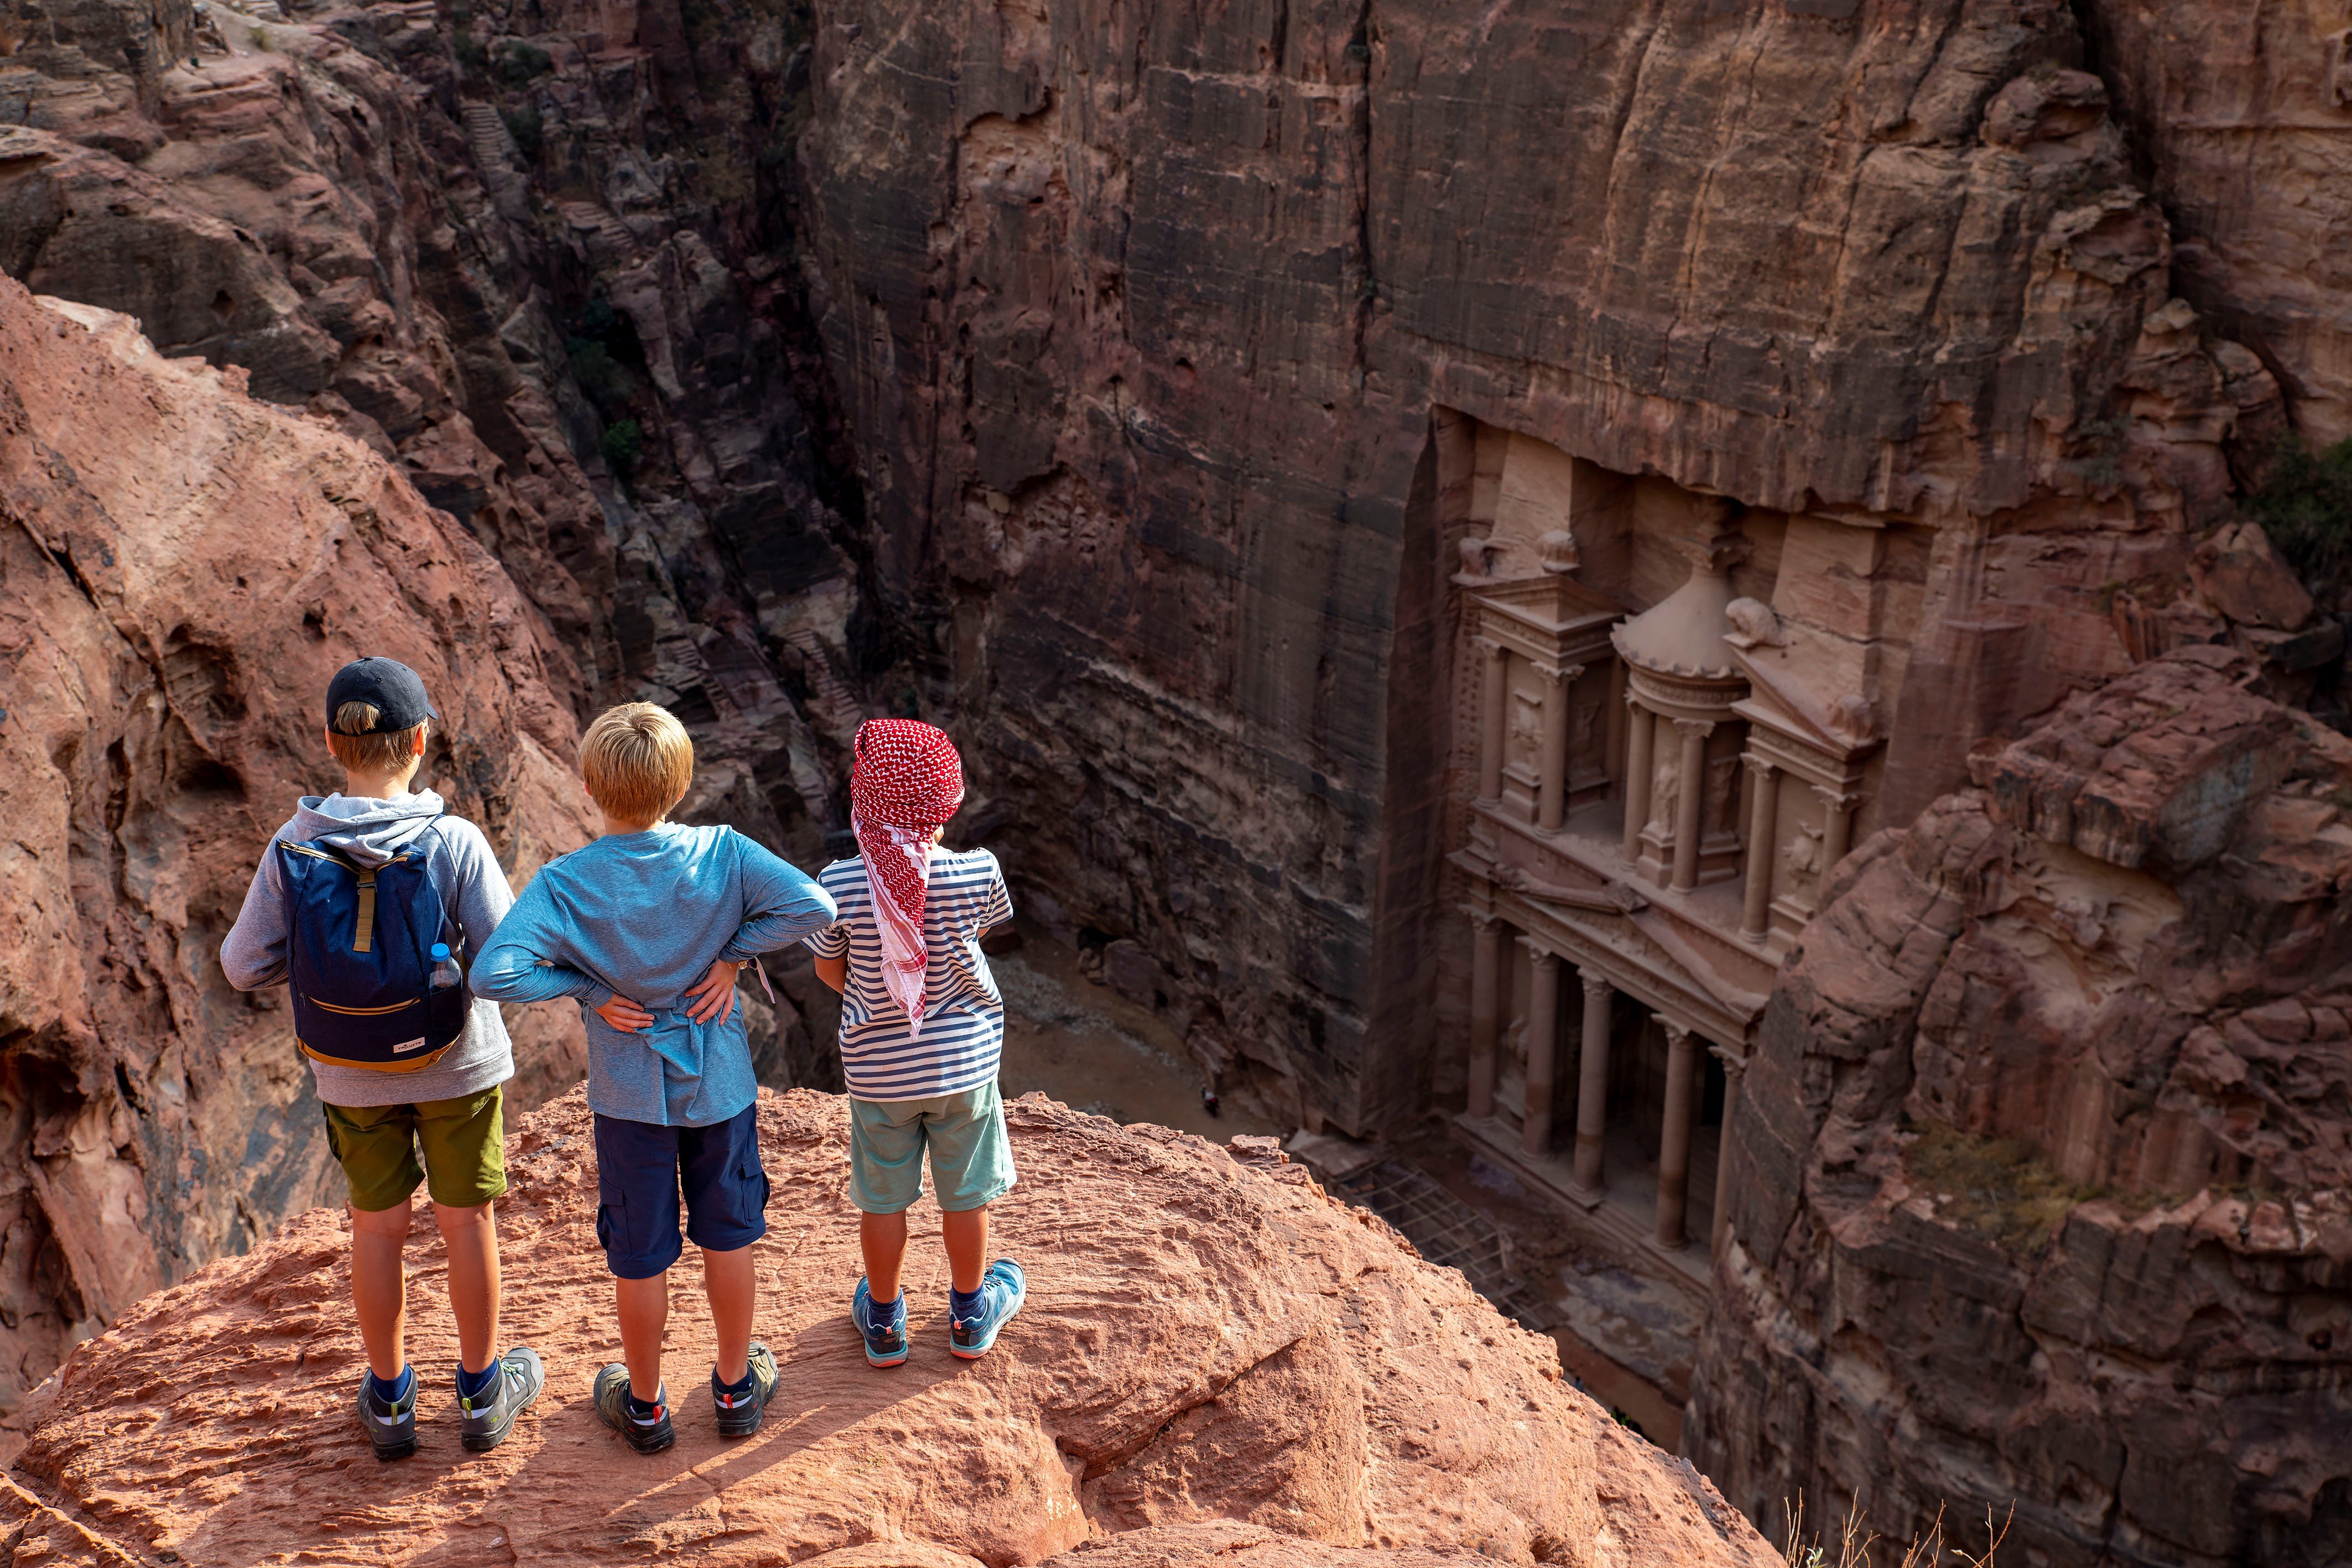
(1841, 726)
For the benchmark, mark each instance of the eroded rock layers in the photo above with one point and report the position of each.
(2049, 1191)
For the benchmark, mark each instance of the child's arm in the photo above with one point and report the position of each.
(781, 904)
(253, 954)
(511, 967)
(483, 895)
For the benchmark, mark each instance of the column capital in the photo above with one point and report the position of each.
(1676, 1033)
(1492, 646)
(1694, 729)
(1735, 1062)
(1596, 984)
(1483, 920)
(1560, 675)
(1835, 800)
(1538, 953)
(1761, 765)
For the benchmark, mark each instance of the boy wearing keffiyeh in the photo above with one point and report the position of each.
(922, 1028)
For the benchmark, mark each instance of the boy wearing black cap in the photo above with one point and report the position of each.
(379, 1113)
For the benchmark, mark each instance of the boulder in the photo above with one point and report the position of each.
(2240, 575)
(1216, 1360)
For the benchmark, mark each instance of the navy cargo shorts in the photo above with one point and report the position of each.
(639, 1169)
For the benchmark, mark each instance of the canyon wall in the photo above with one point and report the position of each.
(496, 265)
(1141, 315)
(2046, 1181)
(182, 568)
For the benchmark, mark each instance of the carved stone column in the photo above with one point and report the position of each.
(1837, 823)
(1639, 774)
(1592, 1082)
(1690, 801)
(1485, 989)
(1552, 796)
(1763, 822)
(1734, 1068)
(1543, 1035)
(1675, 1138)
(1490, 720)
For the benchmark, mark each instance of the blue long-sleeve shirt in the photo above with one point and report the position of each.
(643, 915)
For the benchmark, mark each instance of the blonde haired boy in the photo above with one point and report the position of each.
(644, 928)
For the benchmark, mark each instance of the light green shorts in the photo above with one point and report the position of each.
(971, 1158)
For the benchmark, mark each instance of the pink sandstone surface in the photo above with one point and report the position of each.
(1217, 1361)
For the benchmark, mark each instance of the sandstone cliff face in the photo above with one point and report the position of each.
(180, 570)
(2048, 1191)
(484, 244)
(2242, 110)
(1141, 315)
(1216, 1361)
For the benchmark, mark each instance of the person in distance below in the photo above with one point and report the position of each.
(922, 1029)
(645, 928)
(355, 887)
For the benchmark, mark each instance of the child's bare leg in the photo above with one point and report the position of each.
(379, 1286)
(643, 1308)
(966, 1234)
(471, 1236)
(884, 1238)
(733, 1287)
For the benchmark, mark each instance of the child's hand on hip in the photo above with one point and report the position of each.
(714, 998)
(624, 1015)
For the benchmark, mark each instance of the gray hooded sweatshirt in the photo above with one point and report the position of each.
(372, 832)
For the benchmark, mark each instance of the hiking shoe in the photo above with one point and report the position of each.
(484, 1421)
(886, 1341)
(1002, 1291)
(740, 1413)
(390, 1426)
(612, 1395)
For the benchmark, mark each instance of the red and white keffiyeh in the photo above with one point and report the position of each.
(905, 783)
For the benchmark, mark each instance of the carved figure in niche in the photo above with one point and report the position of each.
(1478, 556)
(1803, 855)
(1667, 784)
(1584, 734)
(1852, 717)
(1527, 730)
(1722, 797)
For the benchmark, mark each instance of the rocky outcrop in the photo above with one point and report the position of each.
(182, 567)
(1216, 1360)
(2242, 110)
(2047, 1192)
(1140, 319)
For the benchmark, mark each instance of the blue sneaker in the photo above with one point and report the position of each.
(885, 1338)
(1002, 1291)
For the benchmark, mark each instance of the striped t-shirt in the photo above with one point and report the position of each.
(963, 1012)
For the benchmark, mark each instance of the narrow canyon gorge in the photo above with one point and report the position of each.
(1825, 523)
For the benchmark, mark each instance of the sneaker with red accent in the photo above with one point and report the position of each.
(646, 1434)
(740, 1409)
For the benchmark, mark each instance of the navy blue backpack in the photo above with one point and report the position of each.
(360, 958)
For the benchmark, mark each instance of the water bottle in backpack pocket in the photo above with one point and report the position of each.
(373, 983)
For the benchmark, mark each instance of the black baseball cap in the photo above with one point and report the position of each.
(389, 686)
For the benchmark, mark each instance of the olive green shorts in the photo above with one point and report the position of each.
(463, 1140)
(972, 1157)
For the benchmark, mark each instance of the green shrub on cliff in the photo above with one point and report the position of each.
(621, 444)
(529, 132)
(2304, 504)
(520, 62)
